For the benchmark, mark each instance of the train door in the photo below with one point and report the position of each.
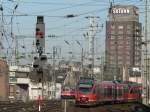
(125, 91)
(108, 92)
(119, 92)
(101, 93)
(134, 93)
(113, 93)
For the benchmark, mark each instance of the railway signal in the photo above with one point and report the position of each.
(36, 63)
(40, 63)
(40, 34)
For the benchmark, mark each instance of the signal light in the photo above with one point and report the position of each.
(90, 66)
(37, 29)
(43, 58)
(40, 71)
(40, 19)
(37, 43)
(38, 33)
(40, 80)
(35, 58)
(36, 62)
(35, 66)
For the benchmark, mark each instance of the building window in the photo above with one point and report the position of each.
(113, 62)
(128, 57)
(120, 62)
(127, 52)
(112, 26)
(120, 37)
(120, 46)
(129, 32)
(119, 57)
(120, 27)
(120, 42)
(129, 27)
(127, 42)
(112, 32)
(112, 42)
(137, 27)
(113, 37)
(120, 32)
(127, 47)
(137, 33)
(112, 47)
(128, 38)
(128, 62)
(137, 63)
(112, 57)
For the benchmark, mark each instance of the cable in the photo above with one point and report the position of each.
(72, 6)
(52, 3)
(79, 15)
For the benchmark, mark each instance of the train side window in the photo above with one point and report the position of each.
(94, 91)
(101, 89)
(120, 92)
(98, 89)
(105, 91)
(126, 90)
(73, 89)
(113, 91)
(132, 91)
(138, 91)
(109, 91)
(135, 90)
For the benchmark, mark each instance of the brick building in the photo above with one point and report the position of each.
(123, 41)
(4, 86)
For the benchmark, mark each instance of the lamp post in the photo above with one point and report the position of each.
(14, 37)
(81, 57)
(70, 52)
(71, 72)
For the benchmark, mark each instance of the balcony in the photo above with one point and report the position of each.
(15, 80)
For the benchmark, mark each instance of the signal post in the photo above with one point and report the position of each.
(40, 61)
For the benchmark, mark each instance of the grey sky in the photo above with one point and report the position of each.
(54, 12)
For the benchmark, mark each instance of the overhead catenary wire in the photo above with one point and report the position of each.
(80, 15)
(63, 8)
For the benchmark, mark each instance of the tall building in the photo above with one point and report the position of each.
(123, 40)
(4, 80)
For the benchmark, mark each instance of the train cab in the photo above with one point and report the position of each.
(135, 92)
(85, 92)
(67, 92)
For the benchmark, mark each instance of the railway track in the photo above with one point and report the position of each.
(46, 106)
(120, 107)
(69, 106)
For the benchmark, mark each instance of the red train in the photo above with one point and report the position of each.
(67, 92)
(91, 92)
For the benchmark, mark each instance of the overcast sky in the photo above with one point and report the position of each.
(56, 23)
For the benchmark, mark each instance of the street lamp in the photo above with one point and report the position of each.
(81, 57)
(70, 52)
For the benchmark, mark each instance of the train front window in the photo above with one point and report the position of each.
(66, 89)
(84, 90)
